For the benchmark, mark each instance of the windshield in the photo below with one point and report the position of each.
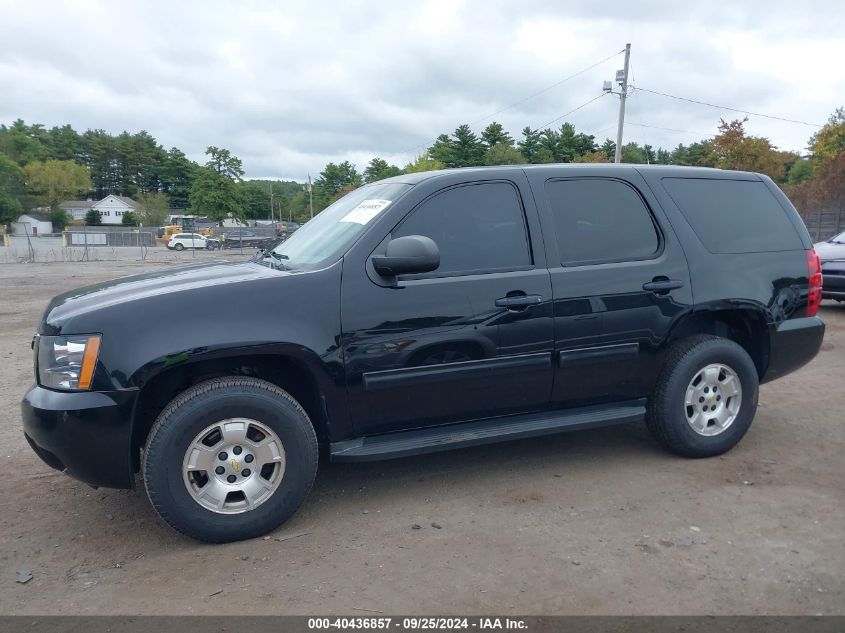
(332, 231)
(838, 239)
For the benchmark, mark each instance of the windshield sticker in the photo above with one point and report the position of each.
(365, 211)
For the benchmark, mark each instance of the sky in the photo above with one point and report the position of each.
(289, 86)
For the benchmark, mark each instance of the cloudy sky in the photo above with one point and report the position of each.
(289, 86)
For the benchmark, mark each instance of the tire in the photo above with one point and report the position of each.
(179, 247)
(671, 420)
(267, 410)
(209, 246)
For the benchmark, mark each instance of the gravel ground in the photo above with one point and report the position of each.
(596, 522)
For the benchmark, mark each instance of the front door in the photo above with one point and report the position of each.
(472, 339)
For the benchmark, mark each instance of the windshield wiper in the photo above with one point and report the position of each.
(277, 259)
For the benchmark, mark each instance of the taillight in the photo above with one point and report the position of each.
(814, 278)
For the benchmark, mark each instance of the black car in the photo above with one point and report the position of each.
(426, 312)
(833, 272)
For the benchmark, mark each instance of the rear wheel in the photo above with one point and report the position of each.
(179, 247)
(230, 459)
(706, 397)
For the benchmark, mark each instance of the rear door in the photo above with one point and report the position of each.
(619, 280)
(472, 339)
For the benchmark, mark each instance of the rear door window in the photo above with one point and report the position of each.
(733, 216)
(600, 220)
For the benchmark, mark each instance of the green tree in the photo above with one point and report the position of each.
(495, 134)
(92, 218)
(223, 163)
(332, 181)
(129, 219)
(177, 173)
(633, 153)
(154, 207)
(829, 141)
(379, 169)
(64, 143)
(12, 180)
(256, 198)
(423, 162)
(464, 149)
(503, 154)
(10, 208)
(529, 144)
(699, 154)
(609, 148)
(59, 219)
(214, 195)
(50, 182)
(24, 143)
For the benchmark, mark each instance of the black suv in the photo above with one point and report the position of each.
(427, 312)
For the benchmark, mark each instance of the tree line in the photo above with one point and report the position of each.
(41, 167)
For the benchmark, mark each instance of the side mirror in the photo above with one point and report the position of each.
(406, 255)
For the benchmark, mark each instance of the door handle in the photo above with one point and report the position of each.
(518, 301)
(662, 285)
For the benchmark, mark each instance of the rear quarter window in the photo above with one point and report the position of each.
(733, 216)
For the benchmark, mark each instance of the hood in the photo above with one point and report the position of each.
(127, 289)
(829, 250)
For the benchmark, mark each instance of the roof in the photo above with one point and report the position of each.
(609, 168)
(35, 215)
(129, 201)
(87, 204)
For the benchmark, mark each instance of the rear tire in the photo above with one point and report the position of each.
(674, 414)
(179, 247)
(256, 482)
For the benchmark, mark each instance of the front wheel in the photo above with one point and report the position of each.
(706, 397)
(230, 459)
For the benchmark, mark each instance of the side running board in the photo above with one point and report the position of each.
(477, 432)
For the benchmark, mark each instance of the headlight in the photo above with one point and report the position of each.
(67, 362)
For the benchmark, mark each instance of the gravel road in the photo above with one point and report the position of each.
(595, 522)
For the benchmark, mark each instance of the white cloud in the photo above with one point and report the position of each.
(289, 87)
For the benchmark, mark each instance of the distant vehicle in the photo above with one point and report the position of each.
(426, 312)
(833, 273)
(181, 241)
(247, 239)
(834, 248)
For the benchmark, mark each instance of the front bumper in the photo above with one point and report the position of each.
(793, 344)
(85, 434)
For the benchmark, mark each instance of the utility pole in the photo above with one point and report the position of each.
(271, 200)
(310, 196)
(622, 97)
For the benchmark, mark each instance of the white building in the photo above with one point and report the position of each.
(33, 223)
(111, 208)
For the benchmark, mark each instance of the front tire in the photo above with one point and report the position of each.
(706, 397)
(230, 459)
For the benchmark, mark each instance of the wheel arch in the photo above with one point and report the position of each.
(288, 370)
(746, 326)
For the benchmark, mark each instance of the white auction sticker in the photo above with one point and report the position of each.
(365, 211)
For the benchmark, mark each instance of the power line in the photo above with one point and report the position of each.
(535, 94)
(668, 129)
(550, 87)
(721, 107)
(583, 105)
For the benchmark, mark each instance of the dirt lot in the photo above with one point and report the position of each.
(599, 522)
